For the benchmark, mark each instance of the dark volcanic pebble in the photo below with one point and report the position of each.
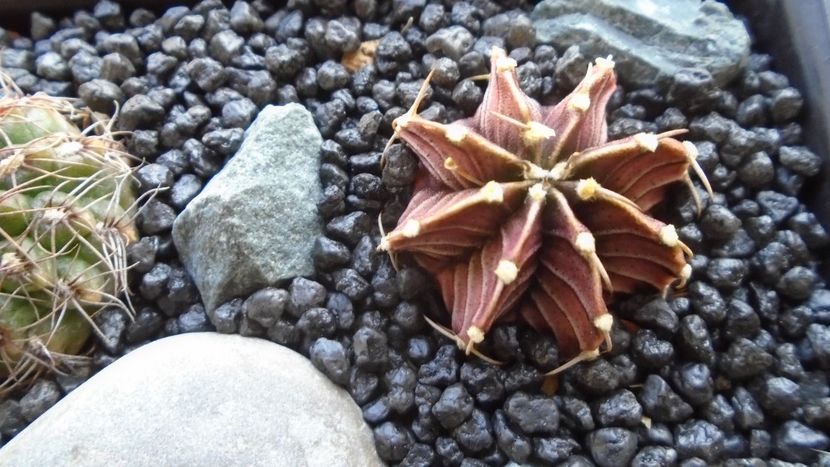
(193, 320)
(612, 447)
(139, 111)
(720, 413)
(694, 340)
(598, 377)
(486, 382)
(392, 441)
(532, 415)
(111, 322)
(649, 351)
(700, 439)
(555, 450)
(330, 357)
(476, 434)
(619, 409)
(744, 358)
(304, 294)
(654, 456)
(795, 442)
(517, 446)
(443, 369)
(453, 407)
(661, 403)
(38, 399)
(694, 382)
(780, 397)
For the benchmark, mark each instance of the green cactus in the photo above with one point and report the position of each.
(66, 216)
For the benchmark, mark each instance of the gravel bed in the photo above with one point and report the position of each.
(733, 367)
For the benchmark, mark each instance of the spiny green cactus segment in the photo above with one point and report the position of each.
(67, 206)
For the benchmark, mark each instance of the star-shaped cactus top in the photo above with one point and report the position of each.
(529, 208)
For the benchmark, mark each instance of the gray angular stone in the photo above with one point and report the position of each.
(255, 222)
(650, 40)
(201, 399)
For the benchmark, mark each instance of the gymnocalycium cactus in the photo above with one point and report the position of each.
(66, 216)
(529, 210)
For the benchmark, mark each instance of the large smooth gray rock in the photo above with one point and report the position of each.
(650, 40)
(255, 222)
(200, 399)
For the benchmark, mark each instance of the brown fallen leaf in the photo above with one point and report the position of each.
(364, 55)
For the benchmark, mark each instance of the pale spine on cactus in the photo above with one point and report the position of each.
(67, 208)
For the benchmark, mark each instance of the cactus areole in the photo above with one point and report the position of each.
(66, 216)
(529, 210)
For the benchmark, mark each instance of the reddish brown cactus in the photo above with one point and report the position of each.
(529, 209)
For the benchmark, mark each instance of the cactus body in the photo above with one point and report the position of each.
(529, 210)
(66, 215)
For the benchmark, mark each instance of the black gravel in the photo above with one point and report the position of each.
(733, 367)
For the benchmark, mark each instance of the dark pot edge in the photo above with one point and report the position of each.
(783, 27)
